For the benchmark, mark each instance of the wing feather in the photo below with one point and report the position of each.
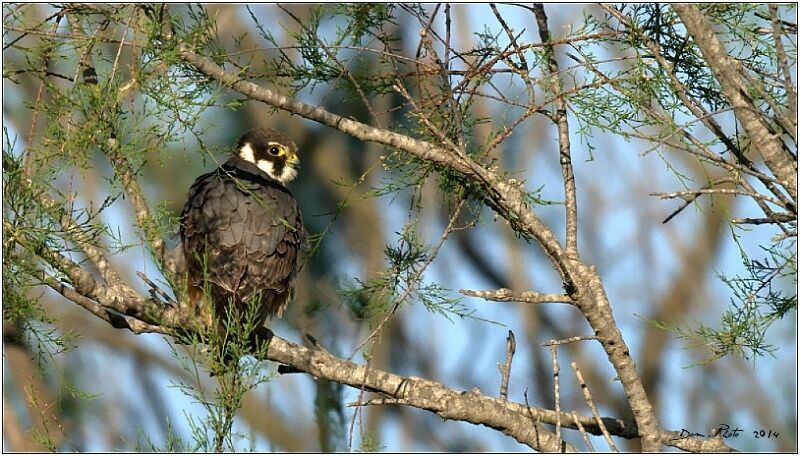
(252, 235)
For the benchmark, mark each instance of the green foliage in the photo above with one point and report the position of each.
(403, 280)
(760, 298)
(659, 24)
(173, 443)
(93, 124)
(363, 20)
(226, 350)
(370, 443)
(340, 61)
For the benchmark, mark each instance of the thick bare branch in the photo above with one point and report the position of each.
(512, 419)
(111, 317)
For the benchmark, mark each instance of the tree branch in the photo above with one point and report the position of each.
(111, 317)
(503, 196)
(506, 295)
(726, 70)
(791, 93)
(582, 281)
(697, 108)
(560, 119)
(520, 421)
(512, 419)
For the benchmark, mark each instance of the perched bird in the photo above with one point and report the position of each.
(241, 229)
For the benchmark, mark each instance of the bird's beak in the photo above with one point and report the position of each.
(294, 161)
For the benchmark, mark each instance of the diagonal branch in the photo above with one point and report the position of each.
(111, 317)
(582, 281)
(515, 420)
(503, 196)
(519, 421)
(727, 72)
(695, 106)
(122, 166)
(791, 93)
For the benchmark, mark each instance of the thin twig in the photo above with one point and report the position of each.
(587, 396)
(523, 63)
(505, 368)
(582, 431)
(778, 218)
(569, 340)
(383, 401)
(156, 293)
(28, 158)
(449, 229)
(506, 295)
(357, 412)
(556, 390)
(565, 152)
(719, 191)
(121, 45)
(456, 125)
(783, 236)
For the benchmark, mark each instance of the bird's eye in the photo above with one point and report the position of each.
(274, 150)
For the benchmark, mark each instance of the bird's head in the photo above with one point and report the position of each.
(272, 152)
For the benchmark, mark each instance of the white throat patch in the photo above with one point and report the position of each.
(287, 175)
